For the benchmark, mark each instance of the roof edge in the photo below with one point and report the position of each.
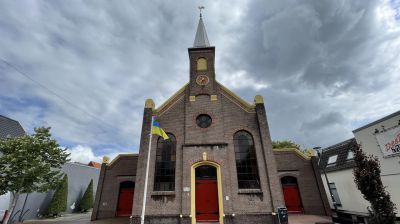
(326, 149)
(172, 98)
(377, 121)
(119, 156)
(236, 97)
(293, 150)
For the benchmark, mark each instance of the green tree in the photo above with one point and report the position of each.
(30, 163)
(284, 144)
(87, 199)
(367, 176)
(59, 202)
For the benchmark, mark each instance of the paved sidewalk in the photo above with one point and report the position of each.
(78, 218)
(85, 219)
(309, 219)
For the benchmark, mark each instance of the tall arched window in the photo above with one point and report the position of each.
(246, 161)
(201, 64)
(164, 178)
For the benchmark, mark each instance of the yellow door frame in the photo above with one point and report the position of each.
(193, 190)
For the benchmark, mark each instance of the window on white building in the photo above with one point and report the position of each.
(335, 194)
(332, 160)
(350, 155)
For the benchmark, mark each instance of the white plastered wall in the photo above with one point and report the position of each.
(390, 166)
(350, 197)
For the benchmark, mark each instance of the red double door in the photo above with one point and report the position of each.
(292, 198)
(207, 209)
(125, 201)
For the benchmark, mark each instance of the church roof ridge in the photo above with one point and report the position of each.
(119, 156)
(235, 96)
(293, 150)
(172, 98)
(244, 104)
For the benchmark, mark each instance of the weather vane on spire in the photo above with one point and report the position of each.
(201, 8)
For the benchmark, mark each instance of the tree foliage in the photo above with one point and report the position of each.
(87, 199)
(367, 176)
(30, 163)
(59, 201)
(284, 144)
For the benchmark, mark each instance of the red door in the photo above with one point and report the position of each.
(125, 202)
(207, 208)
(292, 198)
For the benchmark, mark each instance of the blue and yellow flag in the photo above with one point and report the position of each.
(157, 130)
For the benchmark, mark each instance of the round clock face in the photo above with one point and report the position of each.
(202, 80)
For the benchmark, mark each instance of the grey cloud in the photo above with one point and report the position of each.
(324, 121)
(328, 43)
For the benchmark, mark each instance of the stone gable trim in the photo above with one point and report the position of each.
(120, 156)
(159, 114)
(237, 100)
(174, 97)
(295, 151)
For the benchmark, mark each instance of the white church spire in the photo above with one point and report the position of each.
(201, 39)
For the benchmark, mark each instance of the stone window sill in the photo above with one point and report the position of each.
(166, 193)
(250, 191)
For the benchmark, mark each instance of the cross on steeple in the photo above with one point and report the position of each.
(201, 8)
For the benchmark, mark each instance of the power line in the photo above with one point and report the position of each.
(54, 93)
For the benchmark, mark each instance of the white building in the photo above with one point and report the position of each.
(380, 138)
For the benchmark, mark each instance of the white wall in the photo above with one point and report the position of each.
(350, 197)
(390, 166)
(4, 201)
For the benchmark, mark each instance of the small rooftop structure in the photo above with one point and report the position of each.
(10, 127)
(338, 156)
(94, 164)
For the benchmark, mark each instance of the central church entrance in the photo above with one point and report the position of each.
(207, 208)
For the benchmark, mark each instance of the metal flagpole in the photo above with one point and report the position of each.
(147, 175)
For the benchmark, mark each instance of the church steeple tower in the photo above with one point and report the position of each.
(202, 59)
(201, 39)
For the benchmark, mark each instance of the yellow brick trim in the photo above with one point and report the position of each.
(258, 99)
(149, 104)
(236, 97)
(120, 156)
(106, 159)
(172, 98)
(294, 150)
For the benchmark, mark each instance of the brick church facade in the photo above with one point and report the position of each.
(217, 166)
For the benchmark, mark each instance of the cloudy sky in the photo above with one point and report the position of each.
(85, 68)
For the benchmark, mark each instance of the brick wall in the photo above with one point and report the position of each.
(312, 193)
(217, 141)
(120, 170)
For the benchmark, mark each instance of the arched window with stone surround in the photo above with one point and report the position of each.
(164, 177)
(201, 64)
(246, 161)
